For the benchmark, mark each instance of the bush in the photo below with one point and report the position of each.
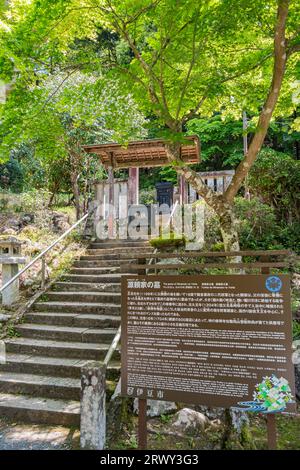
(147, 196)
(275, 178)
(289, 236)
(35, 200)
(257, 225)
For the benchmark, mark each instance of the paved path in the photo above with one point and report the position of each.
(15, 436)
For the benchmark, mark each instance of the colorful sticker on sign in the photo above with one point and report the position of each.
(271, 396)
(273, 284)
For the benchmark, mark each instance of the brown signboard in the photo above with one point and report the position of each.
(217, 340)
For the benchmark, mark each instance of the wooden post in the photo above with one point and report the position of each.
(142, 424)
(271, 418)
(183, 190)
(133, 186)
(272, 432)
(111, 203)
(99, 215)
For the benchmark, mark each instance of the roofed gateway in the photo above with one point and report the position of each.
(123, 194)
(145, 153)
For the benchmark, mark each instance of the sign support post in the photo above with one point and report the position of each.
(272, 432)
(142, 424)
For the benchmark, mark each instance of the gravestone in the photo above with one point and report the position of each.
(164, 192)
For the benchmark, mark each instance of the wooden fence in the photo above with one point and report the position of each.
(200, 261)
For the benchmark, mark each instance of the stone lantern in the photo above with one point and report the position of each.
(10, 258)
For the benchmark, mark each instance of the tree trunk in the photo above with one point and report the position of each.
(75, 187)
(229, 232)
(216, 201)
(51, 199)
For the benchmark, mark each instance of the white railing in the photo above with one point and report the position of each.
(43, 254)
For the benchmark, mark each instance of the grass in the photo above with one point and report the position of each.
(163, 435)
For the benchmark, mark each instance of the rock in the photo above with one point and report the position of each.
(27, 219)
(156, 407)
(239, 419)
(27, 282)
(8, 231)
(190, 420)
(60, 222)
(4, 318)
(211, 413)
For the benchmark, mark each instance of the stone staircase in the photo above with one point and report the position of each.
(73, 322)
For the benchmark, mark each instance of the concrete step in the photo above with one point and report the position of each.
(131, 251)
(109, 278)
(119, 243)
(64, 349)
(73, 319)
(53, 366)
(40, 409)
(89, 297)
(66, 333)
(71, 324)
(100, 257)
(94, 271)
(96, 263)
(40, 385)
(86, 286)
(77, 307)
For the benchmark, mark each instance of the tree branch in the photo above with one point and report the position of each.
(193, 112)
(173, 151)
(280, 59)
(192, 63)
(121, 27)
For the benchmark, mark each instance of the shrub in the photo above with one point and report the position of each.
(275, 178)
(147, 196)
(34, 200)
(257, 224)
(289, 236)
(257, 227)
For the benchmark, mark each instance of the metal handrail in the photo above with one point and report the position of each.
(44, 252)
(112, 347)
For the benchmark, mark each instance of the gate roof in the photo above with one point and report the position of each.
(145, 153)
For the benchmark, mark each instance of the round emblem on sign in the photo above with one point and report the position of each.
(273, 283)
